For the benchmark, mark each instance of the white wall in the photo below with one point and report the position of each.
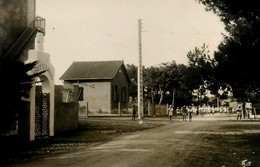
(31, 11)
(97, 95)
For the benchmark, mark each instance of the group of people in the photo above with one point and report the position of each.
(247, 112)
(239, 113)
(185, 111)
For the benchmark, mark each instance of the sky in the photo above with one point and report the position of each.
(99, 30)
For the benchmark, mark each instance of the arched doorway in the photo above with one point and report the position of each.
(41, 100)
(42, 107)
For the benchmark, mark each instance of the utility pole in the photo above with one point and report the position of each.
(140, 73)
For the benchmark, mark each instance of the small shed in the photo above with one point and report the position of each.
(103, 86)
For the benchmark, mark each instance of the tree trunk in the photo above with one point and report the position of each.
(161, 98)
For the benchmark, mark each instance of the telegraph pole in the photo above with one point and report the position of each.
(140, 73)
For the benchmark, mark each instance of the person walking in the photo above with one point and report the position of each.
(184, 113)
(190, 114)
(170, 111)
(239, 113)
(134, 111)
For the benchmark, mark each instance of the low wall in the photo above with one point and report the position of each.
(66, 117)
(159, 110)
(66, 108)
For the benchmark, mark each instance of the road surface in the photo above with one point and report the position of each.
(205, 141)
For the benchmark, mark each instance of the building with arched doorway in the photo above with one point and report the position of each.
(18, 28)
(42, 99)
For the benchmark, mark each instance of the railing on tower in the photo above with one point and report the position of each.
(38, 25)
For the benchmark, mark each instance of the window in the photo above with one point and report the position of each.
(81, 95)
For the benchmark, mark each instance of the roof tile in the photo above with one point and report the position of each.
(86, 70)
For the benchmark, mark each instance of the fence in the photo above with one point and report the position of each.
(149, 110)
(152, 109)
(157, 110)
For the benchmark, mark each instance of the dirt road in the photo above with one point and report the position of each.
(206, 141)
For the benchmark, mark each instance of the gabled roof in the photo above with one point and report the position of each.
(93, 70)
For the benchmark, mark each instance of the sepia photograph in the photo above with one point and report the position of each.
(130, 83)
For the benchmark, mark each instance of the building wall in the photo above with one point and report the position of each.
(96, 98)
(15, 15)
(14, 18)
(119, 91)
(31, 11)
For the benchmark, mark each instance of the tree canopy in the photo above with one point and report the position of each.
(238, 55)
(166, 80)
(234, 66)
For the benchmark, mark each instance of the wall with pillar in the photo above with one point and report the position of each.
(66, 108)
(47, 81)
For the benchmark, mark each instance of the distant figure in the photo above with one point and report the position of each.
(190, 114)
(194, 110)
(239, 113)
(225, 110)
(248, 111)
(210, 110)
(184, 113)
(178, 111)
(254, 112)
(170, 110)
(197, 110)
(134, 111)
